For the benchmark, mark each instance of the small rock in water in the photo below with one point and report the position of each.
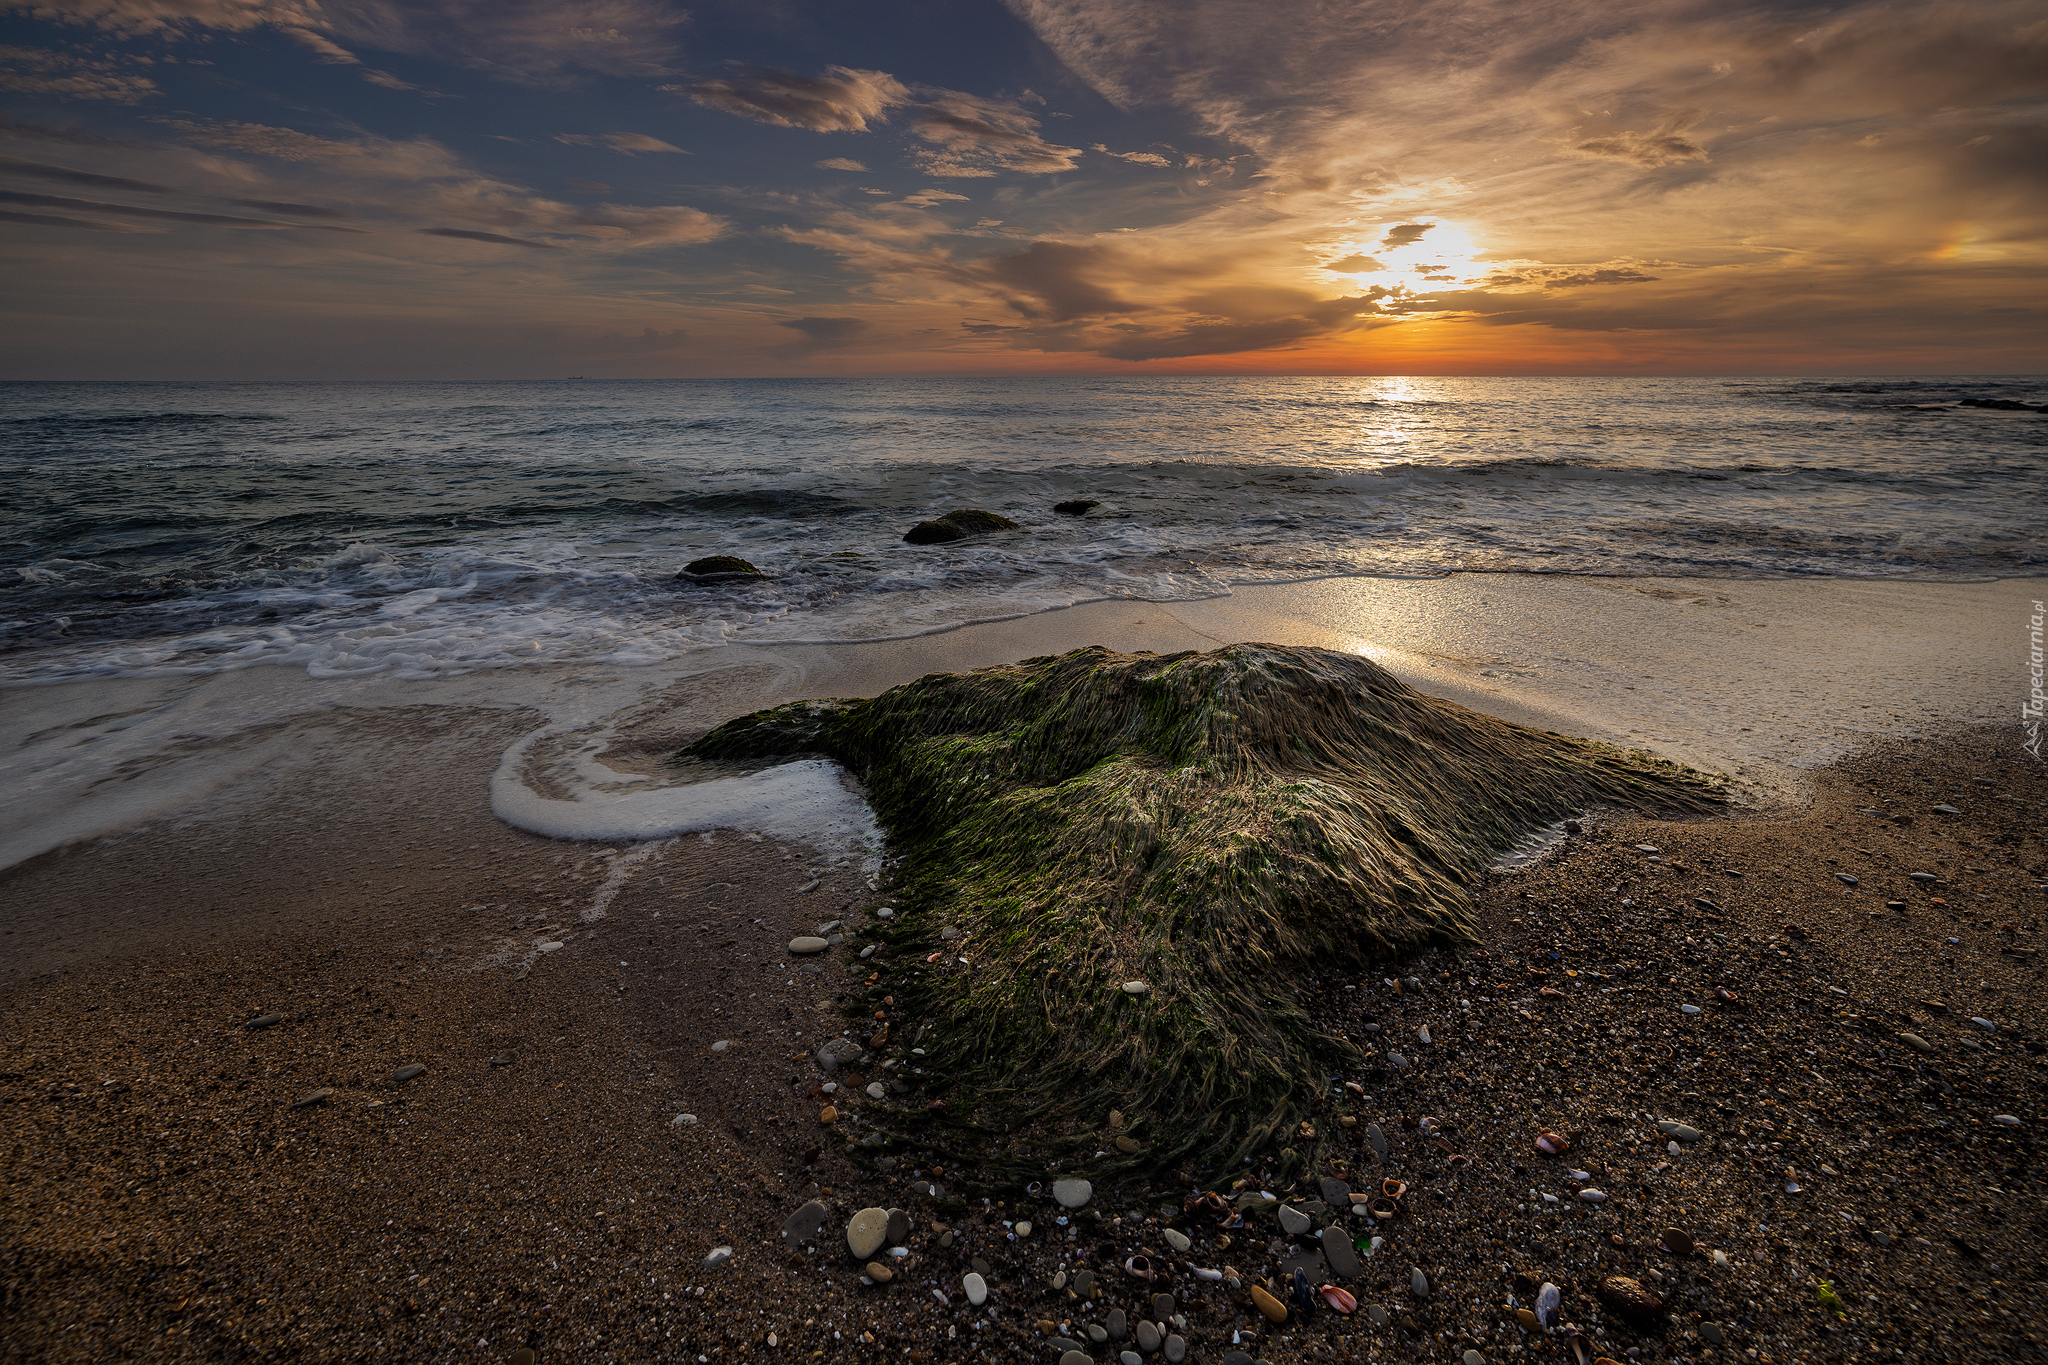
(718, 1257)
(1418, 1283)
(1072, 1194)
(976, 1287)
(865, 1231)
(1293, 1221)
(807, 945)
(406, 1073)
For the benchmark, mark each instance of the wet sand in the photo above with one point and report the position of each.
(167, 1200)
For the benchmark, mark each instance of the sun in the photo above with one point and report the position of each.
(1415, 256)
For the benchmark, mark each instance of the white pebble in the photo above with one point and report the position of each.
(1689, 1009)
(682, 1120)
(718, 1257)
(2009, 1120)
(875, 1090)
(1136, 988)
(1593, 1196)
(976, 1287)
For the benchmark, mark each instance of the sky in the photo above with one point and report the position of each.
(455, 189)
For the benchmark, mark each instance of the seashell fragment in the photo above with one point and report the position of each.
(1552, 1143)
(1339, 1299)
(1393, 1189)
(1139, 1267)
(1382, 1208)
(1202, 1274)
(1546, 1303)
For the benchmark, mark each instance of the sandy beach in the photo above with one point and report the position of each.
(199, 853)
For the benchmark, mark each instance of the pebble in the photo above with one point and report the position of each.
(976, 1287)
(311, 1098)
(876, 1090)
(1136, 988)
(1176, 1347)
(946, 1238)
(1343, 1258)
(682, 1120)
(1177, 1240)
(1684, 1132)
(721, 1045)
(1129, 1358)
(1593, 1196)
(829, 1115)
(830, 926)
(1397, 1059)
(1547, 1300)
(718, 1257)
(1631, 1301)
(1076, 1358)
(979, 1266)
(1418, 1283)
(1274, 1310)
(1527, 1319)
(865, 1231)
(1162, 1306)
(1126, 1144)
(1946, 810)
(1379, 1315)
(879, 1273)
(1117, 1325)
(837, 1053)
(886, 912)
(1072, 1194)
(803, 1225)
(264, 1021)
(807, 945)
(1711, 1333)
(1646, 848)
(1675, 1241)
(2009, 1120)
(1689, 1009)
(1293, 1221)
(1474, 1358)
(1022, 1229)
(1097, 1333)
(1845, 879)
(1376, 1139)
(899, 1227)
(1422, 1036)
(1922, 877)
(1984, 1023)
(406, 1073)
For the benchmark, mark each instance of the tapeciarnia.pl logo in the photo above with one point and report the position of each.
(2037, 698)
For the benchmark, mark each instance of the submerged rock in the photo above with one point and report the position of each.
(714, 567)
(958, 525)
(1236, 819)
(1076, 507)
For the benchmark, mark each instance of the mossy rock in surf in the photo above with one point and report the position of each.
(958, 525)
(1220, 826)
(719, 566)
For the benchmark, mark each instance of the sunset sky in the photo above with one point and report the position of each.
(273, 189)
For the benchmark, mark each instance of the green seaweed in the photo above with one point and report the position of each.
(1218, 825)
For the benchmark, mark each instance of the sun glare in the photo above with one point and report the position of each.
(1412, 256)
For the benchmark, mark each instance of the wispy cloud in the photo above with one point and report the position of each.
(631, 144)
(71, 75)
(843, 100)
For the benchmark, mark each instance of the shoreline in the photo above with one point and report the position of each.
(340, 866)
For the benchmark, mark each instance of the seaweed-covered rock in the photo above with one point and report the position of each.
(1218, 825)
(1076, 507)
(718, 566)
(957, 525)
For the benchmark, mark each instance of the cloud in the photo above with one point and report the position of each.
(1354, 264)
(469, 235)
(973, 137)
(929, 198)
(40, 171)
(285, 144)
(839, 163)
(305, 210)
(1142, 158)
(58, 220)
(629, 143)
(819, 334)
(66, 75)
(844, 100)
(76, 137)
(1664, 146)
(1248, 319)
(540, 41)
(1056, 281)
(1566, 276)
(592, 186)
(163, 215)
(1406, 234)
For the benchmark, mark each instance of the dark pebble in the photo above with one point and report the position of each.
(264, 1021)
(406, 1073)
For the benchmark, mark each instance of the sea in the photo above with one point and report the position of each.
(426, 529)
